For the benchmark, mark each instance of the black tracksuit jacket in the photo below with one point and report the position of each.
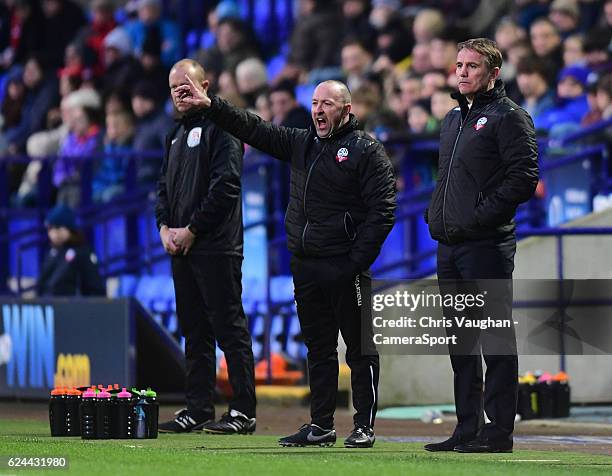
(488, 165)
(199, 185)
(342, 191)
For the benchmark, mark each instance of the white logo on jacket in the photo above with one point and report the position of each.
(193, 139)
(480, 123)
(342, 154)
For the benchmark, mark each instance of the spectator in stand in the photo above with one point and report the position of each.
(41, 95)
(596, 49)
(420, 120)
(47, 143)
(546, 43)
(286, 111)
(25, 33)
(11, 117)
(573, 50)
(84, 139)
(443, 51)
(431, 82)
(421, 60)
(152, 125)
(532, 79)
(356, 22)
(427, 24)
(122, 69)
(572, 104)
(604, 96)
(71, 268)
(150, 17)
(316, 38)
(251, 79)
(235, 43)
(507, 33)
(153, 70)
(111, 171)
(62, 21)
(410, 87)
(442, 103)
(356, 62)
(102, 23)
(565, 14)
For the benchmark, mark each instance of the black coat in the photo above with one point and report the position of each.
(488, 165)
(199, 185)
(342, 192)
(70, 271)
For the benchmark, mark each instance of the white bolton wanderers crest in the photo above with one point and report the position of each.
(342, 155)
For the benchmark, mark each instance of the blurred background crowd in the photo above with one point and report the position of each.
(89, 79)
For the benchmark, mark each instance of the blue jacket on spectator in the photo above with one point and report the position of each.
(567, 111)
(34, 114)
(110, 175)
(150, 136)
(170, 34)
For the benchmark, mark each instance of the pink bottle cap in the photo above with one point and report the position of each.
(124, 394)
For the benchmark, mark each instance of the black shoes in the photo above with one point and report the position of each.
(484, 445)
(231, 423)
(447, 445)
(362, 436)
(184, 422)
(310, 435)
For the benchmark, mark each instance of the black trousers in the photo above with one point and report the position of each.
(463, 267)
(209, 308)
(324, 308)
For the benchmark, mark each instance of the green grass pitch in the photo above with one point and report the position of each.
(197, 453)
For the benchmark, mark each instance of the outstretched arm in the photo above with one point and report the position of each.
(248, 127)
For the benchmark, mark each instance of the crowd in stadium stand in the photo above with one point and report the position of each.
(79, 82)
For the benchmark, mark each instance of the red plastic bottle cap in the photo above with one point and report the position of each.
(58, 391)
(74, 391)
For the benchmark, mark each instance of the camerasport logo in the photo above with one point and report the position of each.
(342, 155)
(480, 123)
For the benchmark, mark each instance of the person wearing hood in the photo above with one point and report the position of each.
(341, 209)
(70, 268)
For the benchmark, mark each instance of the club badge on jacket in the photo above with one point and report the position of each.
(342, 155)
(193, 139)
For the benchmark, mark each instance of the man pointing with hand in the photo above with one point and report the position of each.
(341, 208)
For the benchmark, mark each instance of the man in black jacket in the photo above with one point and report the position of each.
(488, 166)
(199, 215)
(342, 201)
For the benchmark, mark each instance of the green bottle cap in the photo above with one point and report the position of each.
(150, 393)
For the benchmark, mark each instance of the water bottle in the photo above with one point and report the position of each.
(88, 414)
(57, 412)
(104, 415)
(124, 416)
(152, 413)
(73, 414)
(140, 416)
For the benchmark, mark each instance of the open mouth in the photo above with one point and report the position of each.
(321, 122)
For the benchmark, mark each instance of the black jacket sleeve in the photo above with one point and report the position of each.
(377, 185)
(91, 283)
(162, 206)
(519, 155)
(274, 140)
(224, 181)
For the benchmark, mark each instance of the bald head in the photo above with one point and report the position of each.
(340, 89)
(330, 108)
(178, 77)
(190, 67)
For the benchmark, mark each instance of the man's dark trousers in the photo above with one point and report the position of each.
(482, 260)
(209, 306)
(324, 308)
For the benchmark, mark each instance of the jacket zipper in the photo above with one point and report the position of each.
(450, 167)
(305, 190)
